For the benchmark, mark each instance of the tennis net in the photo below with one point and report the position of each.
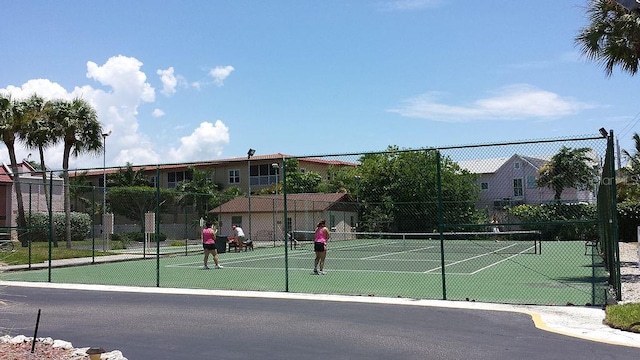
(507, 242)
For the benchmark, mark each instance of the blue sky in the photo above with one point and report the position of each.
(180, 81)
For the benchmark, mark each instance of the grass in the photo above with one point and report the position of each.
(40, 253)
(624, 317)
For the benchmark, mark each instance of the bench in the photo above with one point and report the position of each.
(590, 243)
(247, 244)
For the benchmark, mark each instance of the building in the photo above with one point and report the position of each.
(261, 217)
(513, 181)
(262, 171)
(33, 193)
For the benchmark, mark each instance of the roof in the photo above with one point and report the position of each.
(313, 202)
(25, 170)
(215, 163)
(490, 166)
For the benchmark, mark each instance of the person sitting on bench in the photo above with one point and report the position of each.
(238, 237)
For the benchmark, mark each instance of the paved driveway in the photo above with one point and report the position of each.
(171, 326)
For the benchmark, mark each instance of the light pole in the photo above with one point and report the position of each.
(357, 178)
(104, 188)
(276, 167)
(249, 155)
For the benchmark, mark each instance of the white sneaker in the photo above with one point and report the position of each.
(205, 268)
(322, 272)
(315, 272)
(218, 267)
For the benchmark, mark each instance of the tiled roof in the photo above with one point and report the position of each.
(315, 202)
(214, 163)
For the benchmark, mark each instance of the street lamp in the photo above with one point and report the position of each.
(104, 188)
(357, 178)
(276, 167)
(249, 155)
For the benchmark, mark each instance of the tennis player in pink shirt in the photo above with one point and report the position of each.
(320, 247)
(209, 245)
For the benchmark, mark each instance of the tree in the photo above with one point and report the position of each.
(299, 182)
(569, 168)
(627, 182)
(76, 123)
(39, 133)
(78, 186)
(612, 38)
(11, 124)
(198, 190)
(128, 177)
(397, 190)
(134, 202)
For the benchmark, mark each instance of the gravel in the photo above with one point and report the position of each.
(629, 273)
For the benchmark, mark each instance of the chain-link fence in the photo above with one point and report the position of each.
(517, 222)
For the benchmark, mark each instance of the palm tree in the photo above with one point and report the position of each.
(80, 185)
(76, 123)
(629, 175)
(128, 177)
(568, 168)
(11, 124)
(38, 133)
(198, 190)
(612, 38)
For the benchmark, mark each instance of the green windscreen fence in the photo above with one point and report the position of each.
(529, 222)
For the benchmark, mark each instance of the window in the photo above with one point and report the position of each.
(484, 186)
(236, 220)
(153, 180)
(332, 221)
(516, 165)
(173, 178)
(532, 183)
(517, 187)
(234, 176)
(263, 174)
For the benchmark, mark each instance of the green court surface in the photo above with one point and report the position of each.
(506, 272)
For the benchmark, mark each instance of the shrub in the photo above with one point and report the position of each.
(628, 220)
(39, 226)
(568, 216)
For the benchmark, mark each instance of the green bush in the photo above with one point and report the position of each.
(569, 218)
(628, 220)
(38, 224)
(119, 241)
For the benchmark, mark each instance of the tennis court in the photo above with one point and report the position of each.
(516, 267)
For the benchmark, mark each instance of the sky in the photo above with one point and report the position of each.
(181, 81)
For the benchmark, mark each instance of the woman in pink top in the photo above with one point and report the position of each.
(209, 245)
(320, 247)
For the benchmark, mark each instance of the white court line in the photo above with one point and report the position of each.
(496, 263)
(397, 252)
(471, 258)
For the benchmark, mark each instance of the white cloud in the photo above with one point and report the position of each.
(220, 73)
(117, 107)
(515, 102)
(43, 87)
(169, 81)
(123, 75)
(206, 142)
(157, 113)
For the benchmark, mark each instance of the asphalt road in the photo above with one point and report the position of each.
(164, 326)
